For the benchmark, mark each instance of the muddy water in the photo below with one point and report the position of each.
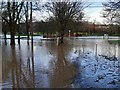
(46, 64)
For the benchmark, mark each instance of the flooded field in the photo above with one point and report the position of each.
(78, 63)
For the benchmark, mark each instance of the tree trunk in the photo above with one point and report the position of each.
(27, 23)
(61, 38)
(28, 35)
(19, 31)
(19, 38)
(31, 22)
(62, 34)
(5, 38)
(12, 38)
(12, 29)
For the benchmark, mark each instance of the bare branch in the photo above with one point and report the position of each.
(18, 13)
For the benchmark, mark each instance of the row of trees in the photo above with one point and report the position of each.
(54, 27)
(12, 14)
(62, 12)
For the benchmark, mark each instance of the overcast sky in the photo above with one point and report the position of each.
(92, 13)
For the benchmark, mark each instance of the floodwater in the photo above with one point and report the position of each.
(46, 65)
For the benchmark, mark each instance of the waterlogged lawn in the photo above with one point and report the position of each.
(29, 35)
(114, 41)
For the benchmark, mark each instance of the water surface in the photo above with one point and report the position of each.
(46, 64)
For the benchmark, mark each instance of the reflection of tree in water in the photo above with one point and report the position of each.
(20, 76)
(52, 48)
(64, 71)
(6, 63)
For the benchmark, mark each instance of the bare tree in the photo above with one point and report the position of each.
(26, 7)
(31, 22)
(112, 11)
(14, 9)
(4, 25)
(30, 6)
(64, 11)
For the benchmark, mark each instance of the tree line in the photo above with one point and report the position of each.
(64, 16)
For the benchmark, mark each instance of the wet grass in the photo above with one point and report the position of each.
(29, 35)
(114, 41)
